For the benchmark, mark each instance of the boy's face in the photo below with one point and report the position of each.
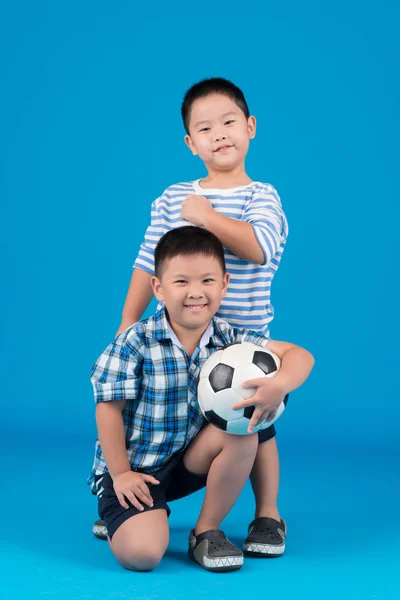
(219, 132)
(192, 288)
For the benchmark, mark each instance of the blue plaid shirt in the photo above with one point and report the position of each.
(147, 367)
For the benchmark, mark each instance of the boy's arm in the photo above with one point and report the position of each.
(256, 237)
(296, 364)
(137, 300)
(140, 292)
(237, 236)
(116, 378)
(110, 428)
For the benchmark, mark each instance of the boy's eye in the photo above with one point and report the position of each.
(208, 280)
(229, 122)
(205, 129)
(180, 281)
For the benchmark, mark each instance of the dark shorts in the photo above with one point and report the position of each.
(176, 481)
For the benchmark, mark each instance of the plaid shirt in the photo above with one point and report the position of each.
(147, 367)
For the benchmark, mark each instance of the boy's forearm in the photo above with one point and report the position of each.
(138, 298)
(296, 366)
(237, 236)
(110, 427)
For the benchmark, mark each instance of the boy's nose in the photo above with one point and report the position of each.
(195, 294)
(219, 137)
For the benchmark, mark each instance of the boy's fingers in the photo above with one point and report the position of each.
(151, 479)
(263, 416)
(122, 501)
(243, 403)
(134, 501)
(271, 415)
(253, 382)
(144, 489)
(143, 497)
(253, 421)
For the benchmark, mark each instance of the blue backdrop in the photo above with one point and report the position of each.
(90, 135)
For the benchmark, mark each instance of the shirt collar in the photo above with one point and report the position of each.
(159, 328)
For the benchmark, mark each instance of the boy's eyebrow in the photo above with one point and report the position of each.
(231, 112)
(175, 275)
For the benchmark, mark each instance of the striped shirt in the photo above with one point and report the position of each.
(148, 368)
(247, 302)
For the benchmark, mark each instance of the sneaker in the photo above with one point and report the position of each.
(266, 538)
(99, 529)
(214, 552)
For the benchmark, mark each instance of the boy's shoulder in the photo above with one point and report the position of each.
(264, 188)
(182, 187)
(139, 333)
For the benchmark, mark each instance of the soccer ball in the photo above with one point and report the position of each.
(220, 385)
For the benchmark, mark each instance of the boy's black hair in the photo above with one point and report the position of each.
(213, 85)
(187, 241)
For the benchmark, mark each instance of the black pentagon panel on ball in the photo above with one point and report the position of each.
(264, 361)
(221, 377)
(216, 420)
(248, 412)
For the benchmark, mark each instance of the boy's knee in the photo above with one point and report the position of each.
(140, 557)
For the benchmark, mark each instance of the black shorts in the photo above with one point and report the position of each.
(176, 481)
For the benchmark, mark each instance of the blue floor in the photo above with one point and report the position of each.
(342, 512)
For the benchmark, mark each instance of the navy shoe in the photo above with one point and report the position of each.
(266, 538)
(99, 529)
(214, 552)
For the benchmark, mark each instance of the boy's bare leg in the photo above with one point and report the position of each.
(228, 460)
(267, 532)
(265, 480)
(140, 542)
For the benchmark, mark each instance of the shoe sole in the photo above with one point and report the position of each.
(100, 531)
(263, 550)
(223, 568)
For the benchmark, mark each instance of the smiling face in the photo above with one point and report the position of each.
(192, 288)
(219, 132)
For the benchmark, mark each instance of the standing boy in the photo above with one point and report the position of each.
(248, 219)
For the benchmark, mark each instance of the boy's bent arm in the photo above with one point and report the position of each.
(110, 427)
(237, 236)
(137, 300)
(296, 366)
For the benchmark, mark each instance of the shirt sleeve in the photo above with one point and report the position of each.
(246, 335)
(117, 373)
(156, 229)
(264, 212)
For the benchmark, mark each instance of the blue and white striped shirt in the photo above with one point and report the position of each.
(147, 367)
(247, 302)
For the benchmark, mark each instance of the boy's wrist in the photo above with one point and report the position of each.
(209, 218)
(282, 379)
(119, 470)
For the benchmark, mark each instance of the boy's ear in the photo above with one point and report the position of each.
(251, 127)
(225, 282)
(157, 288)
(189, 143)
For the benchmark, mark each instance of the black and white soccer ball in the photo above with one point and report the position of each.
(220, 385)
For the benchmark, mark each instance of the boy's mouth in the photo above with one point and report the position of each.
(195, 307)
(223, 148)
